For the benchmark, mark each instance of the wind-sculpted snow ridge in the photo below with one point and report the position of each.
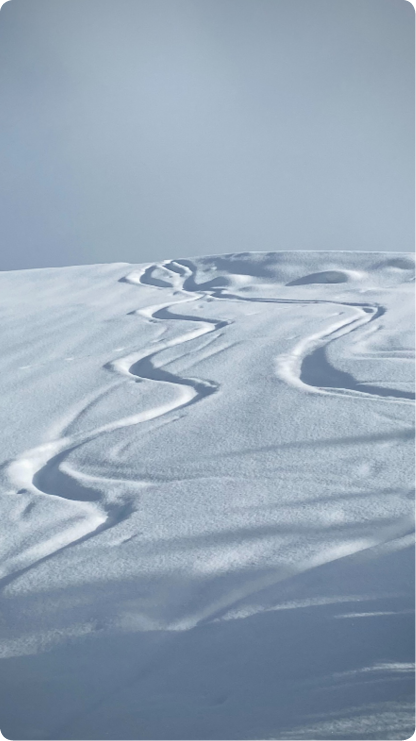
(207, 498)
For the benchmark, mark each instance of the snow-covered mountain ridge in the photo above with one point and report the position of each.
(206, 498)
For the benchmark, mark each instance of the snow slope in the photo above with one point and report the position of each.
(206, 498)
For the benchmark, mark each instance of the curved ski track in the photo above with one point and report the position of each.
(44, 469)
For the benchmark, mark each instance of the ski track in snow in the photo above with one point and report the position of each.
(44, 470)
(47, 462)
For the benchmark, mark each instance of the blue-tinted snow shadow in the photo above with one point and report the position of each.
(270, 675)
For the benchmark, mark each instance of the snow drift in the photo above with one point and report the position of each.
(206, 498)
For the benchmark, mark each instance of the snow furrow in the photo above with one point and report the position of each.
(43, 469)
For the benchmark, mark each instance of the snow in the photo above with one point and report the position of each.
(206, 498)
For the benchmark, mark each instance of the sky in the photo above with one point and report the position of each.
(141, 130)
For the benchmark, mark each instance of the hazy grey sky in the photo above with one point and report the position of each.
(134, 130)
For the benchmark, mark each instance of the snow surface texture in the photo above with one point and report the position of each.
(206, 499)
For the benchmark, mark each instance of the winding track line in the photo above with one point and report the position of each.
(295, 368)
(43, 470)
(40, 469)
